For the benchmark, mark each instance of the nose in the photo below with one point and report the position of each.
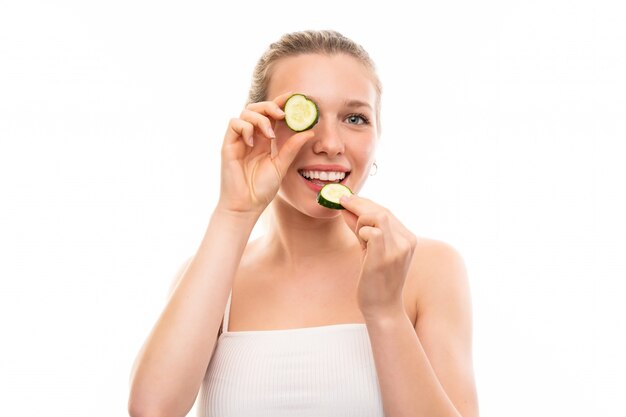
(328, 139)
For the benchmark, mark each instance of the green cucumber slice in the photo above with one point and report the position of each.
(301, 113)
(330, 194)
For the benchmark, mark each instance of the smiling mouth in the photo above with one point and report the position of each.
(322, 178)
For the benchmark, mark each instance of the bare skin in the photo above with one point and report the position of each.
(315, 266)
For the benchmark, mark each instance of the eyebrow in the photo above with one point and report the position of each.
(358, 103)
(349, 103)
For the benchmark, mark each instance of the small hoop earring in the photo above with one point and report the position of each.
(375, 169)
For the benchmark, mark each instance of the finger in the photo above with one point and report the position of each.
(377, 219)
(359, 205)
(373, 237)
(272, 108)
(282, 99)
(239, 129)
(267, 108)
(372, 214)
(290, 149)
(261, 122)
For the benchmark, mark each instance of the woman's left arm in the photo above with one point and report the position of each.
(424, 370)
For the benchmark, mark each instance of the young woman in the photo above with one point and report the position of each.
(332, 312)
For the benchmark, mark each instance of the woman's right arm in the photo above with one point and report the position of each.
(170, 367)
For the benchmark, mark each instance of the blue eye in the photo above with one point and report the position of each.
(357, 119)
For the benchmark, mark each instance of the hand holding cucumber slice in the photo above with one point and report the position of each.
(330, 194)
(301, 113)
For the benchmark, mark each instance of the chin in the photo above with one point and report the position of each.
(321, 212)
(305, 203)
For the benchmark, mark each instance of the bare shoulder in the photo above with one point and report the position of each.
(437, 275)
(444, 319)
(431, 255)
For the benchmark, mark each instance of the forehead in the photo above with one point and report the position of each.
(329, 78)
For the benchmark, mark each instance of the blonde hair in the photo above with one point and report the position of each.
(308, 42)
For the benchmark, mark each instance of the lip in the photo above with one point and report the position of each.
(311, 185)
(321, 167)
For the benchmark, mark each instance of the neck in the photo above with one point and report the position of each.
(295, 237)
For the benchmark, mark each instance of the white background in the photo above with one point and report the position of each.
(503, 127)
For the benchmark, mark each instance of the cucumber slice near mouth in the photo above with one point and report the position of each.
(330, 194)
(301, 113)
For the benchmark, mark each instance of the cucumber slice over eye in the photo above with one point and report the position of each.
(330, 194)
(301, 113)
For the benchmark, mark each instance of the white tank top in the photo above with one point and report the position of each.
(325, 371)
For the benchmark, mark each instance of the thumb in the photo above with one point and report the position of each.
(290, 149)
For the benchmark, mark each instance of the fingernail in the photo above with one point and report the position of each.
(250, 141)
(269, 132)
(345, 198)
(280, 112)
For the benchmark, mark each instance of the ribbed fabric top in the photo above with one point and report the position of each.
(325, 371)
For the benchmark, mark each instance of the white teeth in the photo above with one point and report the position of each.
(324, 175)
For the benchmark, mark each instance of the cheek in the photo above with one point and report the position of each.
(363, 158)
(364, 153)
